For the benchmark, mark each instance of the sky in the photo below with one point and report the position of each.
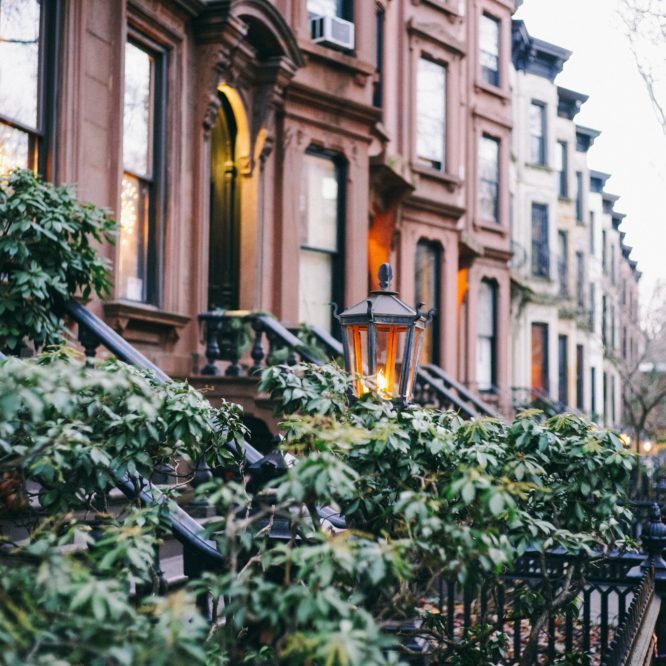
(632, 146)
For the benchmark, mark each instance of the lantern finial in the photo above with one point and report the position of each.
(385, 276)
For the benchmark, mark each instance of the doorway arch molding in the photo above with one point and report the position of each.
(248, 47)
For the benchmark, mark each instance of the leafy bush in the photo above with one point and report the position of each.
(48, 252)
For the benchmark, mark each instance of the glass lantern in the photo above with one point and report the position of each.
(382, 339)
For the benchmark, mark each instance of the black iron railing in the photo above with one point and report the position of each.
(632, 622)
(433, 387)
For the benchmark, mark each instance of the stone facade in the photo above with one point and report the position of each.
(279, 171)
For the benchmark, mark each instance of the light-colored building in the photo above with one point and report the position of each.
(570, 325)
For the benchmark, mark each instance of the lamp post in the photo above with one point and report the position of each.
(382, 339)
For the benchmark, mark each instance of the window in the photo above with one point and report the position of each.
(592, 232)
(540, 251)
(563, 167)
(321, 224)
(580, 280)
(604, 250)
(340, 8)
(562, 373)
(579, 197)
(27, 80)
(142, 183)
(486, 345)
(489, 45)
(593, 308)
(489, 152)
(624, 342)
(612, 257)
(593, 392)
(537, 122)
(580, 377)
(378, 85)
(563, 263)
(605, 398)
(604, 320)
(540, 381)
(431, 114)
(428, 263)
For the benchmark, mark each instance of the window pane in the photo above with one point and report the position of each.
(489, 178)
(133, 238)
(540, 358)
(316, 288)
(537, 130)
(319, 204)
(138, 111)
(427, 292)
(540, 249)
(430, 113)
(489, 35)
(14, 149)
(19, 60)
(485, 346)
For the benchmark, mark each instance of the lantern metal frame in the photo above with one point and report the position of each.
(382, 311)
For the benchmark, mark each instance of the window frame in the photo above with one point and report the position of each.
(542, 156)
(497, 78)
(563, 148)
(496, 219)
(422, 162)
(338, 261)
(494, 290)
(42, 139)
(540, 249)
(153, 288)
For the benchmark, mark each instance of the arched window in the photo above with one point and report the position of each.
(486, 344)
(428, 292)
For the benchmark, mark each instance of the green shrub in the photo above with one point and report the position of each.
(48, 253)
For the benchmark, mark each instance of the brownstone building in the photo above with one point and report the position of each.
(269, 155)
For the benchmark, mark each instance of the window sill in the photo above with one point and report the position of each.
(495, 91)
(447, 7)
(341, 58)
(130, 319)
(539, 167)
(448, 180)
(491, 225)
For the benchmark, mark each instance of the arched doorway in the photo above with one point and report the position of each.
(224, 239)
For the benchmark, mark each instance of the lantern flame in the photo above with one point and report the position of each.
(382, 384)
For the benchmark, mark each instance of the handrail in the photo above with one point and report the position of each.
(117, 345)
(273, 326)
(481, 407)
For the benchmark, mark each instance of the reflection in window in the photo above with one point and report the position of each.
(489, 178)
(20, 124)
(428, 261)
(431, 114)
(537, 121)
(340, 8)
(486, 345)
(540, 366)
(138, 197)
(489, 44)
(320, 274)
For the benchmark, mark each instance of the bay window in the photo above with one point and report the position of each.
(141, 187)
(431, 114)
(321, 223)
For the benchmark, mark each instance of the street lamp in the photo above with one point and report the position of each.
(382, 339)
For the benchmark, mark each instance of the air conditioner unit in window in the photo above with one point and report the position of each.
(332, 31)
